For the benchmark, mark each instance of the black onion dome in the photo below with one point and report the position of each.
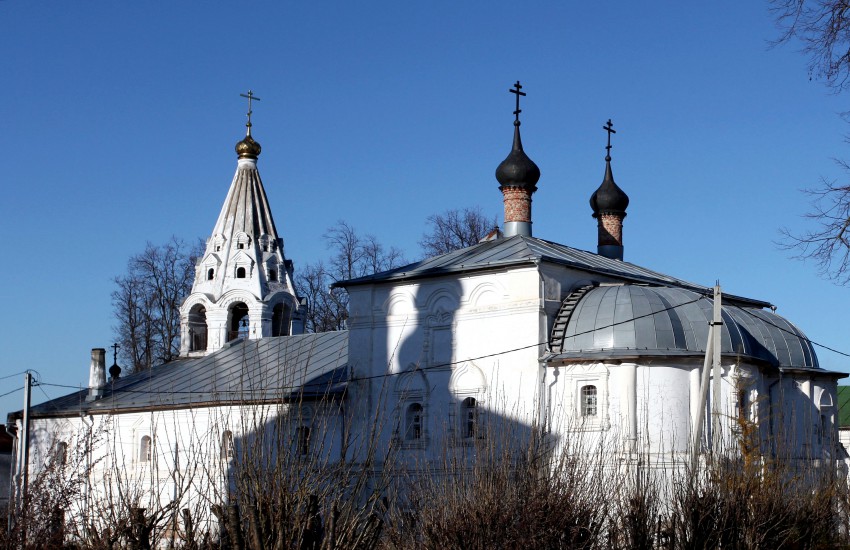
(609, 197)
(248, 148)
(517, 170)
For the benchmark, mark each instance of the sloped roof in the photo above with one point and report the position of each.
(520, 250)
(248, 371)
(844, 406)
(646, 320)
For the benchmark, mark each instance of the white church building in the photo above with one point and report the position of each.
(514, 332)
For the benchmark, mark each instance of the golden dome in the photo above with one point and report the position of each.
(248, 148)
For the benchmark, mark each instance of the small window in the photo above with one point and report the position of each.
(240, 273)
(240, 246)
(588, 400)
(145, 449)
(218, 248)
(469, 417)
(302, 439)
(413, 422)
(228, 451)
(61, 453)
(210, 274)
(272, 275)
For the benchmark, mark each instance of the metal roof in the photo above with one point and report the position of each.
(248, 371)
(643, 320)
(843, 406)
(519, 250)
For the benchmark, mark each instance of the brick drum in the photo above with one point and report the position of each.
(610, 229)
(517, 204)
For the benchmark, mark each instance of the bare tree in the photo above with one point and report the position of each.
(823, 27)
(352, 255)
(456, 229)
(828, 244)
(146, 303)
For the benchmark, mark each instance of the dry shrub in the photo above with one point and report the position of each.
(502, 491)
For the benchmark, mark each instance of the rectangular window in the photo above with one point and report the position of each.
(588, 400)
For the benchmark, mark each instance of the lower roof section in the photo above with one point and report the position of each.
(247, 371)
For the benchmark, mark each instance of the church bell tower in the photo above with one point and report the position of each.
(243, 284)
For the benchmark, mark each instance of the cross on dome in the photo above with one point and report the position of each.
(251, 97)
(609, 127)
(516, 90)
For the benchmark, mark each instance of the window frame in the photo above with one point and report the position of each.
(145, 449)
(589, 401)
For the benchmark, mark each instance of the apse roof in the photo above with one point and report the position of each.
(519, 250)
(248, 371)
(843, 406)
(619, 320)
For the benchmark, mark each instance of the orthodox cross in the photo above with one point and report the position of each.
(115, 347)
(251, 97)
(516, 90)
(609, 127)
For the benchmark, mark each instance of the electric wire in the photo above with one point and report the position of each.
(796, 334)
(274, 389)
(391, 374)
(11, 392)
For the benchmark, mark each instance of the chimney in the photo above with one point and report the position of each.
(517, 176)
(97, 374)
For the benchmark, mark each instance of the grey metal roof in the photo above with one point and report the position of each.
(519, 250)
(645, 320)
(268, 369)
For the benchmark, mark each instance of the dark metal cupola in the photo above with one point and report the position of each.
(609, 204)
(518, 177)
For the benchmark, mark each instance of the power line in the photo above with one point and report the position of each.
(306, 375)
(11, 392)
(390, 374)
(795, 334)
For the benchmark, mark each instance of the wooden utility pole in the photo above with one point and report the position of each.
(712, 361)
(716, 372)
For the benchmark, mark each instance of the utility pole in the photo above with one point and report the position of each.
(716, 400)
(712, 361)
(23, 453)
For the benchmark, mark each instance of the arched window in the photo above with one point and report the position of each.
(239, 321)
(302, 440)
(588, 400)
(145, 449)
(272, 275)
(198, 328)
(61, 453)
(413, 422)
(240, 272)
(280, 320)
(228, 451)
(469, 417)
(210, 274)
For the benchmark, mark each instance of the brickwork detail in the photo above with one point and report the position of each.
(610, 229)
(517, 204)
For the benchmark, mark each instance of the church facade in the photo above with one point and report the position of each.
(514, 335)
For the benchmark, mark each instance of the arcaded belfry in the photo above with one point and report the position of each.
(609, 204)
(243, 283)
(518, 177)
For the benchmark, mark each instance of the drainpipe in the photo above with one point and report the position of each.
(10, 429)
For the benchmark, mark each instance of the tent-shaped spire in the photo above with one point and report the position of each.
(243, 283)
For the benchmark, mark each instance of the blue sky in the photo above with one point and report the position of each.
(119, 120)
